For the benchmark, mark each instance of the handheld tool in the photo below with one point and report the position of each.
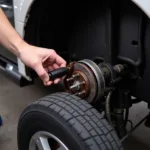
(58, 73)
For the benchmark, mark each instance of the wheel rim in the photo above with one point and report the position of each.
(46, 141)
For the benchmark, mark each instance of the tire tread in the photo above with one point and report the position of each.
(87, 122)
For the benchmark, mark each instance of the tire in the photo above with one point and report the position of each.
(75, 122)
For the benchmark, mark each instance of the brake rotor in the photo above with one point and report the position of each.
(86, 81)
(99, 77)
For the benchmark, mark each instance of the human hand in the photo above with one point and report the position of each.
(41, 60)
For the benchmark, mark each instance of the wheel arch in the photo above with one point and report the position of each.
(22, 10)
(143, 5)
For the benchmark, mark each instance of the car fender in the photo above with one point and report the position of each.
(143, 5)
(21, 8)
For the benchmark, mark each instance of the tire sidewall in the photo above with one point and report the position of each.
(36, 121)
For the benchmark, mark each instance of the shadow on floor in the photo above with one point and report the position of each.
(133, 143)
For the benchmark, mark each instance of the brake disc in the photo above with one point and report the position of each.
(98, 75)
(86, 81)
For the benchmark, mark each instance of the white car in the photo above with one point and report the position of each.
(106, 45)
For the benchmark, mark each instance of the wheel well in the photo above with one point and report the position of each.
(34, 26)
(28, 13)
(100, 30)
(41, 10)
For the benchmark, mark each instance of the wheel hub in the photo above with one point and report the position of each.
(86, 80)
(91, 81)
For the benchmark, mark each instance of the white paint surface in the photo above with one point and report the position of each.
(144, 5)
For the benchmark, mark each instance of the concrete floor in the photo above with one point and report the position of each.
(14, 99)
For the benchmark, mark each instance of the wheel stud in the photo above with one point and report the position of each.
(73, 77)
(77, 85)
(70, 79)
(80, 93)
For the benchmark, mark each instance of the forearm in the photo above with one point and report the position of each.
(8, 36)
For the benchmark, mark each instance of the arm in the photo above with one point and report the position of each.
(8, 36)
(40, 59)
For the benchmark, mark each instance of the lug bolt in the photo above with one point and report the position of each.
(73, 77)
(70, 79)
(80, 93)
(77, 85)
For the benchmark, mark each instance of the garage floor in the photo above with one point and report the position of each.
(14, 99)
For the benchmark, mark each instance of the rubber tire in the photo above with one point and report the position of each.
(75, 122)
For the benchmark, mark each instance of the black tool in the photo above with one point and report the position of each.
(58, 73)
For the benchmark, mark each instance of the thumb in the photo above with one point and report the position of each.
(42, 73)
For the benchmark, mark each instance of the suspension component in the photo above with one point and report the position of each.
(89, 80)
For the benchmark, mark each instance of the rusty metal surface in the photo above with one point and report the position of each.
(83, 78)
(99, 77)
(88, 90)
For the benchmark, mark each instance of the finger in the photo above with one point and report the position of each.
(60, 61)
(41, 73)
(63, 64)
(56, 81)
(48, 63)
(49, 83)
(50, 68)
(46, 69)
(55, 66)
